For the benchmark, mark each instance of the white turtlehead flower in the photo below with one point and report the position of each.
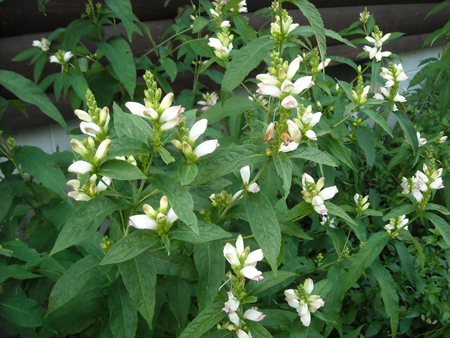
(245, 175)
(397, 223)
(95, 188)
(313, 193)
(442, 139)
(232, 305)
(44, 44)
(422, 140)
(153, 219)
(322, 65)
(289, 102)
(225, 23)
(63, 59)
(242, 334)
(292, 140)
(302, 300)
(242, 259)
(208, 101)
(221, 50)
(80, 167)
(206, 147)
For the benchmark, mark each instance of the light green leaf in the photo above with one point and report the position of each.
(388, 293)
(257, 330)
(367, 143)
(264, 225)
(121, 170)
(39, 164)
(256, 287)
(130, 246)
(132, 126)
(364, 259)
(210, 265)
(338, 211)
(204, 321)
(378, 119)
(170, 67)
(245, 60)
(139, 276)
(299, 210)
(123, 314)
(187, 173)
(232, 107)
(78, 83)
(283, 165)
(118, 52)
(22, 311)
(408, 129)
(122, 9)
(340, 151)
(207, 232)
(85, 221)
(165, 155)
(179, 198)
(199, 23)
(79, 276)
(29, 92)
(127, 146)
(441, 225)
(400, 211)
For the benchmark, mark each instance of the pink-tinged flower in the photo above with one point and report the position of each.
(232, 305)
(142, 111)
(242, 334)
(254, 315)
(143, 222)
(245, 175)
(206, 147)
(80, 167)
(44, 44)
(294, 131)
(289, 102)
(244, 260)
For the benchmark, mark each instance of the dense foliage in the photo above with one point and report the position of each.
(296, 212)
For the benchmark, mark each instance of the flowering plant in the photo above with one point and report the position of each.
(140, 231)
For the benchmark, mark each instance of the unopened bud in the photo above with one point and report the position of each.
(269, 132)
(78, 147)
(163, 204)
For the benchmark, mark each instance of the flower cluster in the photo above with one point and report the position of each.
(393, 75)
(313, 193)
(360, 94)
(44, 44)
(422, 182)
(159, 220)
(253, 188)
(223, 43)
(306, 120)
(377, 39)
(188, 139)
(364, 16)
(95, 125)
(63, 59)
(282, 26)
(396, 224)
(208, 101)
(361, 203)
(302, 300)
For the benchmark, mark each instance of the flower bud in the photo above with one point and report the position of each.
(163, 204)
(78, 147)
(102, 150)
(269, 132)
(104, 117)
(149, 211)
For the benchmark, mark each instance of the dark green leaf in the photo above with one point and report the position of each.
(22, 311)
(256, 287)
(123, 314)
(400, 211)
(367, 143)
(139, 276)
(121, 170)
(208, 232)
(436, 207)
(179, 294)
(179, 198)
(408, 266)
(257, 330)
(187, 173)
(377, 118)
(204, 321)
(210, 265)
(128, 146)
(78, 83)
(299, 210)
(408, 129)
(338, 37)
(232, 107)
(264, 225)
(298, 330)
(170, 67)
(27, 91)
(245, 60)
(441, 225)
(338, 211)
(199, 23)
(283, 165)
(77, 29)
(292, 229)
(182, 266)
(122, 9)
(340, 151)
(131, 246)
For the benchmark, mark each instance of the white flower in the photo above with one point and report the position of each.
(82, 115)
(442, 139)
(303, 301)
(397, 223)
(80, 167)
(102, 150)
(242, 334)
(422, 141)
(206, 147)
(220, 49)
(90, 128)
(245, 175)
(241, 258)
(44, 44)
(322, 65)
(143, 222)
(153, 218)
(197, 129)
(232, 305)
(209, 100)
(314, 194)
(254, 315)
(225, 23)
(289, 102)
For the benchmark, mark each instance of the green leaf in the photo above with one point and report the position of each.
(298, 330)
(232, 107)
(257, 330)
(245, 60)
(15, 271)
(332, 34)
(122, 9)
(408, 129)
(182, 266)
(400, 211)
(128, 146)
(78, 83)
(441, 225)
(444, 99)
(85, 221)
(204, 321)
(29, 92)
(312, 14)
(207, 232)
(77, 29)
(423, 73)
(340, 151)
(123, 314)
(118, 52)
(367, 143)
(165, 155)
(22, 311)
(179, 294)
(388, 293)
(210, 265)
(290, 228)
(130, 246)
(364, 259)
(438, 7)
(121, 170)
(199, 23)
(228, 161)
(378, 119)
(179, 198)
(299, 210)
(283, 165)
(256, 287)
(187, 173)
(338, 211)
(170, 67)
(264, 225)
(437, 207)
(27, 54)
(84, 274)
(408, 266)
(39, 164)
(132, 126)
(139, 276)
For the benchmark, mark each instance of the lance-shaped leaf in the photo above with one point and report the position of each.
(337, 149)
(232, 107)
(408, 129)
(139, 275)
(29, 92)
(122, 9)
(245, 60)
(123, 314)
(377, 118)
(283, 165)
(21, 310)
(210, 265)
(264, 225)
(388, 293)
(257, 330)
(441, 225)
(78, 83)
(121, 170)
(179, 198)
(256, 287)
(207, 232)
(408, 266)
(314, 155)
(367, 143)
(179, 294)
(130, 246)
(85, 221)
(187, 173)
(75, 279)
(132, 126)
(172, 265)
(128, 146)
(204, 321)
(298, 330)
